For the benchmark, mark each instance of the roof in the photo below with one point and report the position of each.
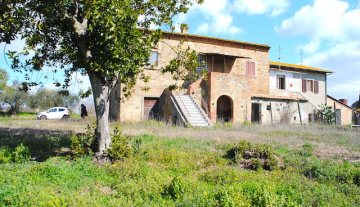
(215, 38)
(340, 102)
(292, 98)
(299, 67)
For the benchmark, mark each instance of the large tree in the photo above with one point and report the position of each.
(44, 99)
(14, 97)
(109, 40)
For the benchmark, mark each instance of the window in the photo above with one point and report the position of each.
(250, 68)
(202, 63)
(153, 59)
(218, 64)
(310, 85)
(280, 79)
(61, 109)
(52, 110)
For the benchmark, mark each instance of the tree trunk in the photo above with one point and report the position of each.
(101, 93)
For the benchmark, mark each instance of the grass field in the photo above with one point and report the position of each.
(174, 166)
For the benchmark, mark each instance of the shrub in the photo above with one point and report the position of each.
(5, 155)
(176, 188)
(85, 144)
(21, 154)
(252, 156)
(255, 164)
(119, 147)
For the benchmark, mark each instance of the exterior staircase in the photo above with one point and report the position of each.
(190, 112)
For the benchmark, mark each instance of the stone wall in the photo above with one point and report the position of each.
(346, 112)
(233, 82)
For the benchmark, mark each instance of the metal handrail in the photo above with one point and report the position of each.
(178, 108)
(188, 113)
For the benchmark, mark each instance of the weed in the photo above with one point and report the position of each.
(252, 156)
(177, 188)
(21, 154)
(5, 155)
(119, 147)
(86, 143)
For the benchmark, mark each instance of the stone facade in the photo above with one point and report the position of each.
(344, 112)
(238, 79)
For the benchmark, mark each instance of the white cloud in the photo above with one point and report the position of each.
(312, 47)
(344, 60)
(203, 28)
(325, 19)
(235, 30)
(217, 16)
(252, 7)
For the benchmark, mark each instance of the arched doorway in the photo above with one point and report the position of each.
(224, 110)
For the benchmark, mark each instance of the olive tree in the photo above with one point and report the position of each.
(14, 97)
(110, 41)
(44, 99)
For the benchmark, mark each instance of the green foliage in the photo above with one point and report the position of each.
(252, 156)
(85, 144)
(3, 80)
(177, 188)
(110, 41)
(178, 172)
(13, 96)
(326, 114)
(247, 123)
(306, 150)
(5, 155)
(137, 145)
(21, 154)
(120, 147)
(45, 99)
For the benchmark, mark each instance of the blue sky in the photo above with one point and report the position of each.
(317, 33)
(325, 32)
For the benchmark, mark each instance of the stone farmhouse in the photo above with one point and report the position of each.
(344, 113)
(241, 85)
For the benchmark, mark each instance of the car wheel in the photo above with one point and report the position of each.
(43, 117)
(65, 117)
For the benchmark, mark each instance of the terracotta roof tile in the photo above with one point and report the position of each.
(300, 67)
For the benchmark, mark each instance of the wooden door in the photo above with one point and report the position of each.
(151, 108)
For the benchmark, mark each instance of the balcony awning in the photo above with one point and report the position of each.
(226, 55)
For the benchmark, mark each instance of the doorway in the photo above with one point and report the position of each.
(224, 109)
(151, 108)
(255, 113)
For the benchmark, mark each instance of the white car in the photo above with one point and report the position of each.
(54, 113)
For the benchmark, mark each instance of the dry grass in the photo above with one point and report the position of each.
(329, 141)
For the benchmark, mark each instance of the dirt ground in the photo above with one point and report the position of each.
(330, 142)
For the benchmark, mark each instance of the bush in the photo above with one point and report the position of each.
(252, 156)
(119, 147)
(85, 144)
(176, 188)
(5, 155)
(21, 154)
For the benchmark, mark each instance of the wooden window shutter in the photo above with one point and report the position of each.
(316, 87)
(303, 85)
(247, 68)
(252, 69)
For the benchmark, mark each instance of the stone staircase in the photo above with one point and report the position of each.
(190, 112)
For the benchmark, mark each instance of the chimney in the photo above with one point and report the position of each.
(345, 101)
(184, 28)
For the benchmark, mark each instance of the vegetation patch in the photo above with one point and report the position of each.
(250, 156)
